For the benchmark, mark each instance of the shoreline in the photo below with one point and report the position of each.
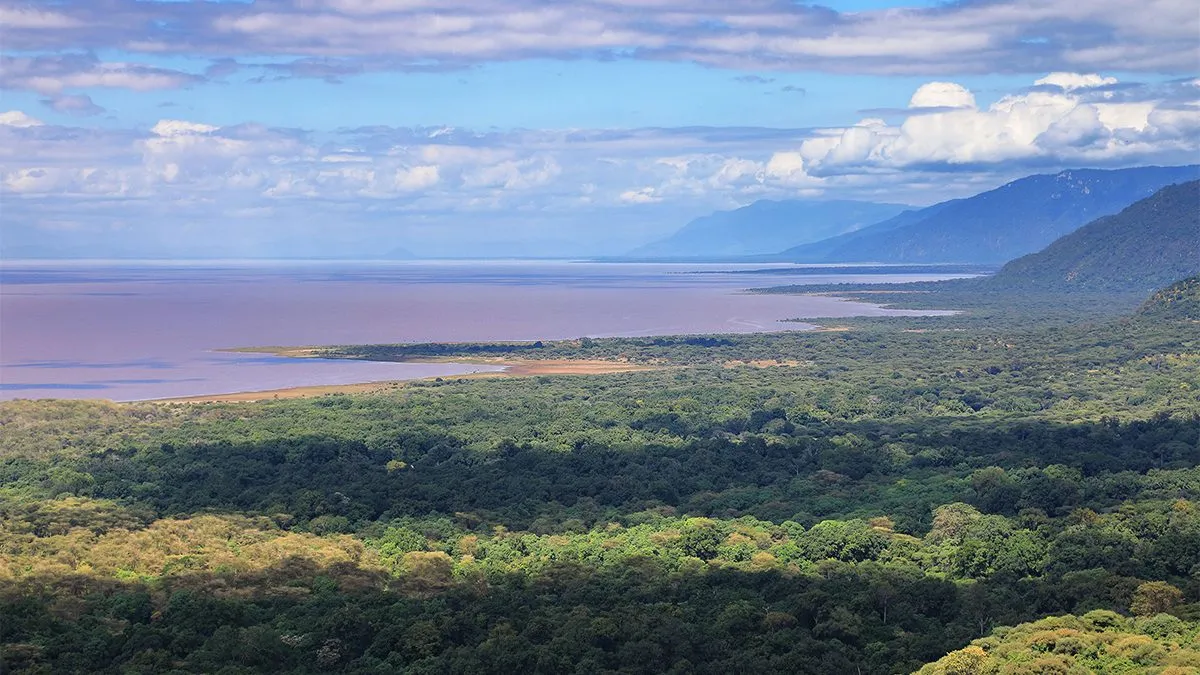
(510, 368)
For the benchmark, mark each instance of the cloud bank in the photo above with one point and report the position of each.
(331, 38)
(943, 145)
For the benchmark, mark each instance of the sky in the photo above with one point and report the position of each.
(350, 128)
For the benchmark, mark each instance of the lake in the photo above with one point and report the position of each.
(126, 331)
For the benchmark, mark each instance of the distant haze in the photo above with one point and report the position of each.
(993, 226)
(767, 227)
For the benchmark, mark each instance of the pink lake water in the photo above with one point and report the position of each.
(126, 331)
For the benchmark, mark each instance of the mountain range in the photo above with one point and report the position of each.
(999, 225)
(766, 227)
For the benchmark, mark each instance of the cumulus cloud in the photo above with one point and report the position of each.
(942, 95)
(786, 167)
(334, 38)
(1058, 121)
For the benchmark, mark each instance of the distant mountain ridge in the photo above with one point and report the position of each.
(1152, 243)
(821, 250)
(766, 226)
(999, 225)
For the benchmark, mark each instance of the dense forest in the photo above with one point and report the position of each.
(1013, 489)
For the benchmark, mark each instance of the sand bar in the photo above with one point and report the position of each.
(512, 368)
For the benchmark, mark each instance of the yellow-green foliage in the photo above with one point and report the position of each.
(1097, 642)
(113, 544)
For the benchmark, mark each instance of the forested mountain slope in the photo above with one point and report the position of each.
(1150, 244)
(1180, 300)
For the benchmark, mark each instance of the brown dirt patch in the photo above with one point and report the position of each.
(565, 367)
(765, 363)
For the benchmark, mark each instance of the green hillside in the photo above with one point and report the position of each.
(1150, 244)
(1180, 300)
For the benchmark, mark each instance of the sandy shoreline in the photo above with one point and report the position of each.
(511, 368)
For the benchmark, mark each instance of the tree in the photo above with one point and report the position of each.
(1154, 597)
(700, 538)
(969, 661)
(427, 571)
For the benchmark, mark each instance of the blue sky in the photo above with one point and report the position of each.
(523, 94)
(464, 127)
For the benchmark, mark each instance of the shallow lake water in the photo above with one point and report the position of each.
(127, 331)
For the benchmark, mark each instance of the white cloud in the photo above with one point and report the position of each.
(169, 128)
(736, 171)
(514, 174)
(416, 178)
(457, 155)
(16, 118)
(784, 165)
(1075, 80)
(33, 179)
(1062, 124)
(942, 95)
